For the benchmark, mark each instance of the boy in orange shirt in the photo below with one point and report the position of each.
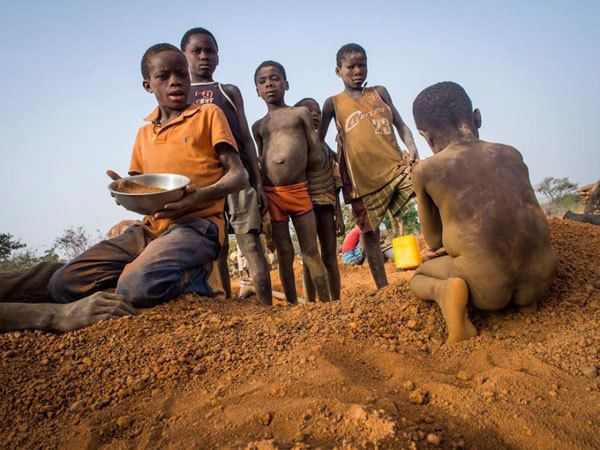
(169, 252)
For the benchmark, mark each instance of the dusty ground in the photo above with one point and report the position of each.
(370, 371)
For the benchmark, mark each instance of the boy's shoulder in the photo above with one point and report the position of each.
(228, 88)
(232, 91)
(256, 125)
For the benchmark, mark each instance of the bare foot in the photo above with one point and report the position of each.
(452, 298)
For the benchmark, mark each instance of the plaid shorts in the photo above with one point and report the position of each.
(370, 209)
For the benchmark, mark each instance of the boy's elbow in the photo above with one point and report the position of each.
(240, 180)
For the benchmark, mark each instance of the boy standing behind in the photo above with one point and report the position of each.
(289, 146)
(328, 214)
(201, 50)
(371, 158)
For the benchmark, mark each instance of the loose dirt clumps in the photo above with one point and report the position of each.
(369, 371)
(132, 187)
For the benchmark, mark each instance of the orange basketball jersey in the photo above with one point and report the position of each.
(371, 151)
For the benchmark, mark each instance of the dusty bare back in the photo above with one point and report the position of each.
(284, 146)
(490, 213)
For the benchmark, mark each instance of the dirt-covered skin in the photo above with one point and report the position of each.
(369, 370)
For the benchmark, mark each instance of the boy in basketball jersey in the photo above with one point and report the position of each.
(289, 147)
(201, 50)
(328, 214)
(371, 159)
(488, 237)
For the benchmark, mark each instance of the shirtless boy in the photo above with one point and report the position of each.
(328, 214)
(488, 237)
(202, 53)
(371, 161)
(289, 146)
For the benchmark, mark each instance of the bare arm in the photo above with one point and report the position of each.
(257, 137)
(63, 317)
(235, 179)
(315, 156)
(249, 148)
(429, 214)
(403, 130)
(327, 114)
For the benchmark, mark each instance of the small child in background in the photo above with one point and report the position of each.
(324, 196)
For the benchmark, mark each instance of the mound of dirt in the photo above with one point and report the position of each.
(371, 370)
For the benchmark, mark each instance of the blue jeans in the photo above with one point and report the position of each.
(146, 271)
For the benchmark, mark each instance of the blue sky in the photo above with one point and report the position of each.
(72, 96)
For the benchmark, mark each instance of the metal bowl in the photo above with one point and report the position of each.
(152, 202)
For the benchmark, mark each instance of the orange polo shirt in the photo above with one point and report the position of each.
(184, 146)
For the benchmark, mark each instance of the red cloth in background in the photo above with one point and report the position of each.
(351, 240)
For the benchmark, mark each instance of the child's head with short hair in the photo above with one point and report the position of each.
(271, 81)
(165, 74)
(313, 107)
(351, 66)
(347, 50)
(198, 31)
(270, 63)
(444, 108)
(201, 51)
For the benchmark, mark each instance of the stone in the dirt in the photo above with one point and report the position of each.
(463, 376)
(417, 397)
(265, 418)
(433, 439)
(408, 385)
(387, 405)
(488, 394)
(357, 413)
(590, 371)
(413, 325)
(123, 421)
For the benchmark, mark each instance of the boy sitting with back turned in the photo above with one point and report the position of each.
(289, 146)
(488, 237)
(371, 159)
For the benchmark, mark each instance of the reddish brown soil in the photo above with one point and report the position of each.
(131, 187)
(369, 371)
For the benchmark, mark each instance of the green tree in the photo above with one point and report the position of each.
(555, 189)
(410, 218)
(73, 241)
(560, 196)
(8, 244)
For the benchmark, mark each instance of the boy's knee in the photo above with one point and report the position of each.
(64, 286)
(148, 288)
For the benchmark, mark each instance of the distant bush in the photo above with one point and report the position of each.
(559, 195)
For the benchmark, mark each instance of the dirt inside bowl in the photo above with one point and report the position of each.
(131, 187)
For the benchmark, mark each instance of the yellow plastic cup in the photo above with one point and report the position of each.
(406, 252)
